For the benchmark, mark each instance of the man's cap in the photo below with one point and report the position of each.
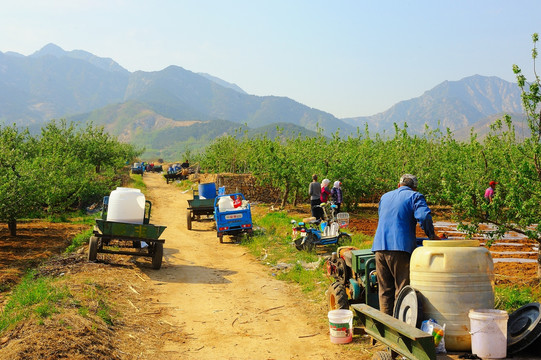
(409, 180)
(492, 183)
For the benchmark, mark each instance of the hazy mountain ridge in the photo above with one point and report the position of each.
(451, 104)
(164, 105)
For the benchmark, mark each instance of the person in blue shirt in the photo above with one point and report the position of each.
(399, 211)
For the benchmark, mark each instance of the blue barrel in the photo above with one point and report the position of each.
(207, 191)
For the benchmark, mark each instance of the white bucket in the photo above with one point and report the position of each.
(488, 329)
(341, 326)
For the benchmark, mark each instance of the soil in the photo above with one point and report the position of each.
(208, 301)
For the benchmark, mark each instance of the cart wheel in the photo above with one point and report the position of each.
(337, 296)
(221, 237)
(93, 248)
(189, 220)
(344, 239)
(157, 257)
(382, 355)
(298, 243)
(309, 242)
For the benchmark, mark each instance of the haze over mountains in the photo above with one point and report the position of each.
(173, 108)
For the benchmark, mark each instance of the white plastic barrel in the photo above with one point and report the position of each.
(488, 333)
(453, 276)
(126, 205)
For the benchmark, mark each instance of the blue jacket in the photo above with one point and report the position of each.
(399, 211)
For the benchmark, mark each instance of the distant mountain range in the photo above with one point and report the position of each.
(172, 110)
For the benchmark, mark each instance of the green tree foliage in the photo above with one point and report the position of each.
(19, 191)
(65, 167)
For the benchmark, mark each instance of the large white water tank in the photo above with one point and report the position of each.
(126, 205)
(453, 277)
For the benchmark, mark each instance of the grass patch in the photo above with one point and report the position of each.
(33, 295)
(138, 182)
(273, 244)
(510, 298)
(79, 240)
(186, 185)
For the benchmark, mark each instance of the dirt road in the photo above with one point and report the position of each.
(224, 300)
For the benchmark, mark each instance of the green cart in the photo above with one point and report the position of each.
(110, 237)
(198, 207)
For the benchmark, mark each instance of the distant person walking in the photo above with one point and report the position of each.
(489, 192)
(314, 190)
(336, 195)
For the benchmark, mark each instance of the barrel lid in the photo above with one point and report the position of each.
(451, 243)
(523, 327)
(408, 308)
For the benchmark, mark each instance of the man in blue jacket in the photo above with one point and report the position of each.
(399, 211)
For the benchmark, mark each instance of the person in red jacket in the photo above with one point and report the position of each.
(325, 192)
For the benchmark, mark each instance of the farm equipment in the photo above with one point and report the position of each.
(354, 271)
(111, 237)
(137, 168)
(232, 220)
(319, 232)
(197, 207)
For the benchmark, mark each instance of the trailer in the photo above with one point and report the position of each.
(198, 207)
(110, 237)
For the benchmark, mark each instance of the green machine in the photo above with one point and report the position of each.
(354, 271)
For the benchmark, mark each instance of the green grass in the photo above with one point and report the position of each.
(79, 240)
(138, 182)
(33, 296)
(273, 244)
(510, 298)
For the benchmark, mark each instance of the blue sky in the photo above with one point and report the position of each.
(348, 58)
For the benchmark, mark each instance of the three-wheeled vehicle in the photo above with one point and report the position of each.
(231, 220)
(111, 237)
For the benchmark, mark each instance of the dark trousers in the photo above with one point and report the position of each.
(317, 212)
(393, 273)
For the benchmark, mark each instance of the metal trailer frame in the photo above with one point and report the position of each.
(198, 207)
(400, 337)
(125, 236)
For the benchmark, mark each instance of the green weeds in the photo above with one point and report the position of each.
(33, 296)
(510, 298)
(79, 240)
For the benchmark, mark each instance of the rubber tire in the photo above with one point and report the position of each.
(342, 272)
(344, 239)
(309, 242)
(157, 256)
(337, 298)
(382, 355)
(221, 237)
(93, 248)
(298, 244)
(189, 220)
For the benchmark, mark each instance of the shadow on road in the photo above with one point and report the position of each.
(189, 274)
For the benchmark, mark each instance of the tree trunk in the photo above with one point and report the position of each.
(12, 226)
(295, 197)
(284, 198)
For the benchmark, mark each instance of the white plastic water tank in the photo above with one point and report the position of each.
(126, 205)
